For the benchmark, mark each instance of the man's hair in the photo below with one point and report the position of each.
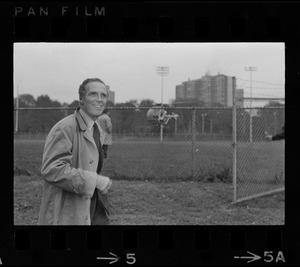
(82, 89)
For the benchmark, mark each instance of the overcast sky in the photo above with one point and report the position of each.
(57, 69)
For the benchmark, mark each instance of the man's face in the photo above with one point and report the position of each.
(94, 100)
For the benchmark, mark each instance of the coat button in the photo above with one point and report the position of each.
(91, 161)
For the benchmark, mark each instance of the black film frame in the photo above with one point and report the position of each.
(269, 21)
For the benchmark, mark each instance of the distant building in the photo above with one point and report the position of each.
(188, 90)
(209, 90)
(111, 95)
(221, 90)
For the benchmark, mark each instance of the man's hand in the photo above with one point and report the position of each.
(268, 136)
(103, 183)
(107, 187)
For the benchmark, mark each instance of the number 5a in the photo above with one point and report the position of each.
(130, 258)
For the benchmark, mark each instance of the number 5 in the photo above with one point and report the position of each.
(269, 255)
(130, 258)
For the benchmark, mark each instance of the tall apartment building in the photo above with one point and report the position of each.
(111, 95)
(188, 90)
(208, 89)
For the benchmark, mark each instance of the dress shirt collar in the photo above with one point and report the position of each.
(89, 122)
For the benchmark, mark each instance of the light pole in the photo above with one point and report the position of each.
(162, 71)
(250, 69)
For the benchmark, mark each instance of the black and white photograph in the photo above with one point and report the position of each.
(162, 133)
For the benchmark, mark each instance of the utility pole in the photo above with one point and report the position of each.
(162, 71)
(250, 69)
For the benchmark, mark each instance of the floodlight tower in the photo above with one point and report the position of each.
(250, 69)
(162, 71)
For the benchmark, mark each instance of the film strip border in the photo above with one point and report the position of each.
(148, 246)
(150, 21)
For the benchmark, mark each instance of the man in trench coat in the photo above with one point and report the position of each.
(74, 192)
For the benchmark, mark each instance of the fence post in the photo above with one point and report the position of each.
(161, 132)
(193, 138)
(17, 115)
(234, 141)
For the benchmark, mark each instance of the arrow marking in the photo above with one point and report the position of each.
(254, 257)
(115, 259)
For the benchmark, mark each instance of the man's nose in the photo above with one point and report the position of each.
(99, 97)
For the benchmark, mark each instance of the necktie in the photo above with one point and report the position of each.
(97, 208)
(96, 136)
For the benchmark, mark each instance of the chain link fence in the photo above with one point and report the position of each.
(197, 146)
(259, 162)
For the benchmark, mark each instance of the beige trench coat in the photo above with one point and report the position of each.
(69, 167)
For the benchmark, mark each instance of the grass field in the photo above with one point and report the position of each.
(156, 203)
(169, 182)
(144, 160)
(169, 161)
